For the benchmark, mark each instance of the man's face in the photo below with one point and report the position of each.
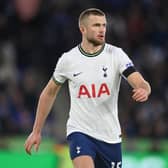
(94, 29)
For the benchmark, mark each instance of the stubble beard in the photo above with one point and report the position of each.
(95, 42)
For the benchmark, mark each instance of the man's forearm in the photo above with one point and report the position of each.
(44, 106)
(137, 81)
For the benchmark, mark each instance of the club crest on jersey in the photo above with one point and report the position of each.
(104, 71)
(92, 92)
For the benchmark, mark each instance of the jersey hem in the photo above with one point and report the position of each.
(95, 136)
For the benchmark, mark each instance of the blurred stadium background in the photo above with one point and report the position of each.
(34, 33)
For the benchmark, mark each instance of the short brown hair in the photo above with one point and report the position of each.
(90, 11)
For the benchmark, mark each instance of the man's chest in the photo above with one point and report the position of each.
(92, 79)
(92, 72)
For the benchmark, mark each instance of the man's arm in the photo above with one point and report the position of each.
(45, 104)
(141, 88)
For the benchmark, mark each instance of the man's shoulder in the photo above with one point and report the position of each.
(71, 51)
(112, 49)
(67, 55)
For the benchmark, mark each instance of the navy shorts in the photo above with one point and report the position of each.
(105, 155)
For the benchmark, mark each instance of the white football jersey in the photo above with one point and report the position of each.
(94, 81)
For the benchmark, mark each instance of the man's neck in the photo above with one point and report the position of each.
(90, 48)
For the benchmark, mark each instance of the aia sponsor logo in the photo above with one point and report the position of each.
(92, 92)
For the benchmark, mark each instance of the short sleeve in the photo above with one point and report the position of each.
(124, 61)
(59, 75)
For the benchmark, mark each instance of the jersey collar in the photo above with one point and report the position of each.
(89, 54)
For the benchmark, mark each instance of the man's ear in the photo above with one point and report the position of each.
(82, 28)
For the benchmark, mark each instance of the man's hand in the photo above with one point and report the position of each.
(33, 139)
(140, 95)
(141, 87)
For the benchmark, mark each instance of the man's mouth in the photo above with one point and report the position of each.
(100, 36)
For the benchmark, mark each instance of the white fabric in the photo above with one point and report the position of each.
(94, 107)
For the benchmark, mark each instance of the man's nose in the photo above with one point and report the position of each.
(102, 29)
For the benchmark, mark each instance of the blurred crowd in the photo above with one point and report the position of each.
(34, 34)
